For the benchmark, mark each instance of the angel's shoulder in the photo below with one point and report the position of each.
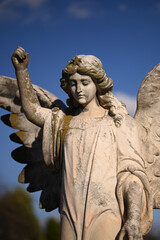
(61, 117)
(129, 127)
(128, 121)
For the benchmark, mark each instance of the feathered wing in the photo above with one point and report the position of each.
(148, 119)
(29, 135)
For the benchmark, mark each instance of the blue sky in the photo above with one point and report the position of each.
(124, 34)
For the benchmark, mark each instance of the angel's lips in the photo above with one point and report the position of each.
(80, 96)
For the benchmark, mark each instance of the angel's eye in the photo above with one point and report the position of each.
(85, 82)
(72, 83)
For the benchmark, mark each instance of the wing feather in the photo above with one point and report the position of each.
(35, 173)
(148, 119)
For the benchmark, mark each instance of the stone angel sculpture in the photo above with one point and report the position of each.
(91, 160)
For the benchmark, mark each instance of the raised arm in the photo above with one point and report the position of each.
(32, 109)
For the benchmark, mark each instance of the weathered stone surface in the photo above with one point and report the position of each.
(102, 165)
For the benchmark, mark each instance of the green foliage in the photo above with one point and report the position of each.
(17, 220)
(52, 230)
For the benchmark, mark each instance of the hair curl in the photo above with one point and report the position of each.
(92, 66)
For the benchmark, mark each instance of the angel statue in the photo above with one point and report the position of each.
(96, 164)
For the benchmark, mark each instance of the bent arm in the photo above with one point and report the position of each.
(30, 103)
(133, 191)
(132, 194)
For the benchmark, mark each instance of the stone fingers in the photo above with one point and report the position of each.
(130, 236)
(20, 52)
(20, 59)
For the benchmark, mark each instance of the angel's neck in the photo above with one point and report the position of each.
(92, 109)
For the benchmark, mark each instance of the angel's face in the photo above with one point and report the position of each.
(82, 88)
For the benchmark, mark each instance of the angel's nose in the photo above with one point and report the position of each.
(79, 88)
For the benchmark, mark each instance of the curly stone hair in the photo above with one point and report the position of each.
(92, 66)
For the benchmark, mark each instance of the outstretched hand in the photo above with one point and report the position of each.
(132, 230)
(20, 59)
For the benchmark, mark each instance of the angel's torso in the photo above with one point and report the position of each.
(89, 171)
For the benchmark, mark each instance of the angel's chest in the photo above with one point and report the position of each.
(90, 142)
(90, 158)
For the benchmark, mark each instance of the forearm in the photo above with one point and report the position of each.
(132, 193)
(27, 93)
(133, 198)
(30, 102)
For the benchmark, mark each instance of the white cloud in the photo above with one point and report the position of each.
(155, 8)
(33, 3)
(129, 101)
(34, 9)
(14, 3)
(158, 6)
(79, 10)
(122, 7)
(7, 9)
